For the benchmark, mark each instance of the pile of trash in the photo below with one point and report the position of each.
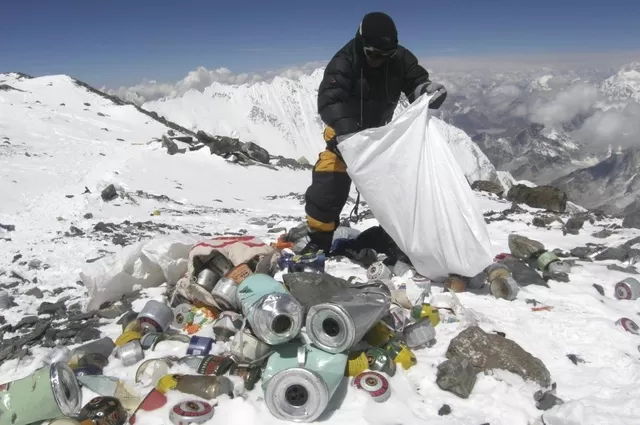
(275, 319)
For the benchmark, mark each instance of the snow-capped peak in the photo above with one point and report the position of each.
(540, 83)
(623, 86)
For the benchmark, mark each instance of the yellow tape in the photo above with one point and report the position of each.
(356, 364)
(127, 336)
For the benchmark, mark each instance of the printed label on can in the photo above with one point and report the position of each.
(240, 273)
(142, 321)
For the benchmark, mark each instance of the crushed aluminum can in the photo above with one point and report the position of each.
(200, 345)
(423, 310)
(189, 412)
(338, 325)
(180, 315)
(227, 325)
(419, 334)
(274, 314)
(380, 360)
(247, 348)
(396, 319)
(627, 289)
(155, 317)
(225, 293)
(127, 336)
(58, 354)
(54, 388)
(375, 384)
(104, 411)
(207, 279)
(628, 325)
(215, 365)
(150, 371)
(130, 353)
(249, 374)
(204, 386)
(379, 271)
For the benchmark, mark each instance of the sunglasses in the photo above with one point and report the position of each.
(374, 53)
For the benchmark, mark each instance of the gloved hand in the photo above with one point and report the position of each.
(439, 92)
(343, 137)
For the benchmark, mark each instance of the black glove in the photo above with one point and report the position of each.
(439, 94)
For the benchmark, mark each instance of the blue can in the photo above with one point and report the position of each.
(302, 263)
(200, 345)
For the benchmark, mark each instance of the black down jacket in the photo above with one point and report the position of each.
(354, 96)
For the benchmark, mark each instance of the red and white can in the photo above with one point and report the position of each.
(627, 289)
(629, 325)
(375, 384)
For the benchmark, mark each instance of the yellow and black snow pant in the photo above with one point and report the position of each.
(329, 190)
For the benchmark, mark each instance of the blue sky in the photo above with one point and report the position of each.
(118, 42)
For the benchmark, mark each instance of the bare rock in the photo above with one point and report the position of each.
(523, 247)
(546, 197)
(88, 216)
(109, 193)
(170, 145)
(457, 375)
(602, 234)
(487, 351)
(87, 334)
(35, 292)
(573, 225)
(488, 186)
(613, 253)
(256, 152)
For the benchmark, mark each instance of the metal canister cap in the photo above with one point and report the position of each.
(191, 412)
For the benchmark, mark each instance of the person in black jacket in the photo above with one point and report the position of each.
(360, 89)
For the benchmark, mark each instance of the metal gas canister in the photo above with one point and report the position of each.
(628, 325)
(627, 289)
(375, 384)
(155, 317)
(191, 412)
(204, 386)
(104, 411)
(215, 365)
(380, 360)
(250, 374)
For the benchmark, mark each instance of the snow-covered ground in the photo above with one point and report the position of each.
(204, 194)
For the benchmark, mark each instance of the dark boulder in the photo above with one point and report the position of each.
(546, 197)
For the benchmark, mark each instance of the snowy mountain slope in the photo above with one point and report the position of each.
(623, 86)
(282, 117)
(202, 194)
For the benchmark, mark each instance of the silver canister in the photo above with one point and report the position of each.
(180, 313)
(627, 289)
(225, 293)
(227, 325)
(58, 354)
(379, 271)
(155, 317)
(336, 326)
(375, 384)
(207, 279)
(628, 325)
(149, 339)
(220, 263)
(420, 333)
(247, 348)
(189, 412)
(504, 288)
(130, 353)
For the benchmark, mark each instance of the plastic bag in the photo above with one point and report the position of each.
(150, 263)
(417, 191)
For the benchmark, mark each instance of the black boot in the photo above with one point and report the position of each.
(318, 241)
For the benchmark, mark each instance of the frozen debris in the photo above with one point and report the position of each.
(8, 227)
(573, 225)
(109, 193)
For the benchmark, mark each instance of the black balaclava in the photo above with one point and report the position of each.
(378, 30)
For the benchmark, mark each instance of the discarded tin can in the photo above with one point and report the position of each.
(379, 271)
(312, 262)
(58, 354)
(338, 325)
(249, 374)
(298, 381)
(225, 293)
(627, 289)
(227, 325)
(205, 386)
(246, 347)
(629, 325)
(420, 333)
(130, 353)
(87, 370)
(240, 273)
(127, 336)
(396, 319)
(149, 339)
(5, 300)
(425, 310)
(200, 345)
(155, 317)
(215, 365)
(375, 384)
(356, 363)
(549, 258)
(504, 288)
(380, 360)
(400, 353)
(559, 267)
(378, 335)
(219, 263)
(274, 314)
(150, 371)
(180, 314)
(127, 319)
(54, 390)
(112, 387)
(207, 279)
(104, 411)
(103, 346)
(496, 271)
(191, 412)
(455, 283)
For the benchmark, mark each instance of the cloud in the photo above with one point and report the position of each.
(578, 99)
(201, 78)
(617, 127)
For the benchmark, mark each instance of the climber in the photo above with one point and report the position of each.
(360, 89)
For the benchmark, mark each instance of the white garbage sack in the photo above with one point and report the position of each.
(148, 264)
(417, 191)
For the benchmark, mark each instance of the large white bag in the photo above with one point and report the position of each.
(418, 193)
